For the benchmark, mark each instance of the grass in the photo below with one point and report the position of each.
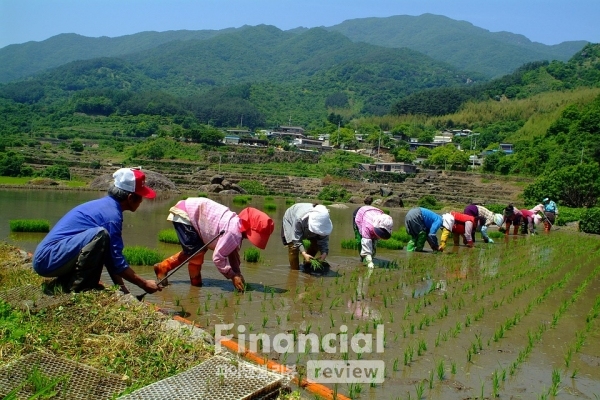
(29, 225)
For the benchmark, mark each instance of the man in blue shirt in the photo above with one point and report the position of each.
(89, 237)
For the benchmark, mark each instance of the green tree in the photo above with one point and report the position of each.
(56, 171)
(11, 164)
(406, 156)
(573, 186)
(448, 156)
(77, 146)
(423, 152)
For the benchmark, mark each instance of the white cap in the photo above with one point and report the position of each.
(133, 180)
(319, 222)
(498, 219)
(448, 221)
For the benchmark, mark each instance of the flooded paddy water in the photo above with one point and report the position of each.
(515, 319)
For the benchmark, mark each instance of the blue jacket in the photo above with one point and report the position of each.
(76, 229)
(551, 207)
(433, 221)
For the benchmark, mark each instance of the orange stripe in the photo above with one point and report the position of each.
(313, 387)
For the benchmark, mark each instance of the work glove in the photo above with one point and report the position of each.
(410, 246)
(470, 243)
(490, 240)
(442, 247)
(369, 261)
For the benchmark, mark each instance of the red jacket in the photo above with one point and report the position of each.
(459, 222)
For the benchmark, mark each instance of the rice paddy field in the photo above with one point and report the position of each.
(515, 319)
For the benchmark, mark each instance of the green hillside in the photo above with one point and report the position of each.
(582, 70)
(263, 73)
(20, 60)
(458, 43)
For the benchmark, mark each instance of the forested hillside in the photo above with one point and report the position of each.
(262, 75)
(459, 43)
(583, 69)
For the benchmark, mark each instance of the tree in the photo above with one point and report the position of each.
(573, 186)
(57, 171)
(448, 156)
(77, 146)
(423, 152)
(11, 164)
(404, 156)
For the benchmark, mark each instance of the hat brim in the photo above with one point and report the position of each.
(146, 192)
(257, 239)
(382, 233)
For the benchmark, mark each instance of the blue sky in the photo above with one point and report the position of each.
(544, 21)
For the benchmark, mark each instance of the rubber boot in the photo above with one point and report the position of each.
(546, 226)
(195, 269)
(162, 268)
(293, 254)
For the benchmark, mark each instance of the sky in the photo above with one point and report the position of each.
(545, 21)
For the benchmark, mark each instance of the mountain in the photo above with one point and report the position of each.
(21, 60)
(258, 68)
(459, 43)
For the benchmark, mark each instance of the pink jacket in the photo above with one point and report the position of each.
(209, 218)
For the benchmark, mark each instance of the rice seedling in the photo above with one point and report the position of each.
(420, 390)
(554, 389)
(495, 384)
(431, 378)
(441, 370)
(350, 244)
(568, 357)
(29, 225)
(574, 374)
(168, 236)
(391, 244)
(139, 255)
(453, 368)
(354, 390)
(252, 254)
(242, 199)
(269, 207)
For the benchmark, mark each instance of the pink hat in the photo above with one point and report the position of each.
(133, 180)
(257, 225)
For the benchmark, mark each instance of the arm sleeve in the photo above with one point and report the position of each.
(445, 234)
(484, 232)
(226, 246)
(366, 247)
(298, 234)
(323, 244)
(119, 264)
